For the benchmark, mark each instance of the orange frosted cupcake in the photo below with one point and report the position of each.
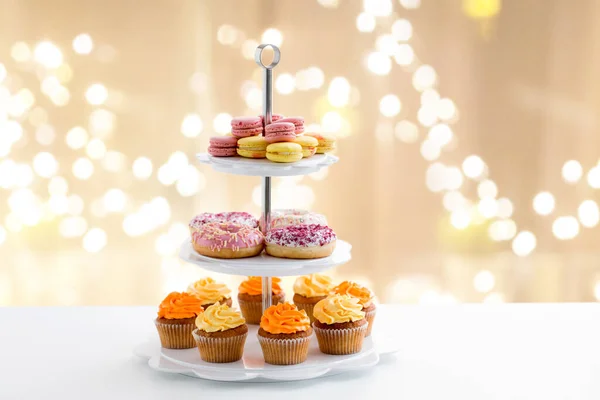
(340, 325)
(210, 292)
(250, 297)
(309, 290)
(175, 322)
(221, 333)
(365, 298)
(284, 334)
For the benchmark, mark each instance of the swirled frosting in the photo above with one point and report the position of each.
(284, 318)
(253, 285)
(364, 295)
(219, 317)
(313, 285)
(337, 309)
(179, 306)
(208, 291)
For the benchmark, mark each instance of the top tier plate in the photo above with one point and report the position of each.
(264, 167)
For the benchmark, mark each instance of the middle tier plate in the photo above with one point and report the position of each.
(265, 265)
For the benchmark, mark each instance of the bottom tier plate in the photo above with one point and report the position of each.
(252, 366)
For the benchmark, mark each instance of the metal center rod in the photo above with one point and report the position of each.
(267, 112)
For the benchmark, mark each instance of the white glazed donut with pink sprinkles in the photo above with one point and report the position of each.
(301, 241)
(281, 218)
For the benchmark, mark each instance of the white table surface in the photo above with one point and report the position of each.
(464, 352)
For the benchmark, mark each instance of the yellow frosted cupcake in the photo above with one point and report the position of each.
(284, 334)
(250, 297)
(309, 290)
(340, 325)
(365, 298)
(175, 321)
(220, 335)
(210, 292)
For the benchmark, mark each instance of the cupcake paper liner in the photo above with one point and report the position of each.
(175, 336)
(251, 310)
(220, 350)
(340, 341)
(284, 351)
(370, 317)
(308, 308)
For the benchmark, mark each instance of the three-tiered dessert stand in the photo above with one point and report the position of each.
(252, 366)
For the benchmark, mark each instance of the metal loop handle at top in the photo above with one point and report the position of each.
(258, 56)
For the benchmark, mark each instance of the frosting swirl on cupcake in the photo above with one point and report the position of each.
(313, 285)
(179, 306)
(364, 295)
(219, 317)
(284, 318)
(253, 285)
(338, 309)
(208, 291)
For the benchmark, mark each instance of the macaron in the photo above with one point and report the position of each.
(222, 146)
(274, 117)
(284, 152)
(280, 132)
(252, 147)
(326, 142)
(297, 121)
(309, 145)
(246, 126)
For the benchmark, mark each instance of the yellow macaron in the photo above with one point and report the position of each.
(326, 142)
(284, 152)
(252, 147)
(309, 145)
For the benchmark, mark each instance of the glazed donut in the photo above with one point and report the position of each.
(242, 218)
(227, 240)
(281, 218)
(301, 241)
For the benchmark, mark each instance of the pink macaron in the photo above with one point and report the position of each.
(222, 146)
(274, 117)
(280, 132)
(297, 121)
(246, 126)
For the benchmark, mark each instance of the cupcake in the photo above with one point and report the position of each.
(284, 334)
(365, 298)
(250, 297)
(340, 325)
(210, 292)
(221, 333)
(310, 289)
(175, 322)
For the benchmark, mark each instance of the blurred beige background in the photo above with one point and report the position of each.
(452, 117)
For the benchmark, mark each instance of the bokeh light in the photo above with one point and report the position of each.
(565, 228)
(45, 165)
(96, 94)
(83, 168)
(378, 8)
(588, 213)
(285, 83)
(94, 240)
(48, 54)
(142, 168)
(378, 63)
(406, 131)
(83, 44)
(543, 203)
(192, 125)
(338, 93)
(572, 171)
(402, 30)
(390, 105)
(484, 281)
(272, 36)
(524, 243)
(222, 123)
(365, 22)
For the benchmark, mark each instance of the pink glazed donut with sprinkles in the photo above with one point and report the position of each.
(301, 241)
(236, 217)
(227, 240)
